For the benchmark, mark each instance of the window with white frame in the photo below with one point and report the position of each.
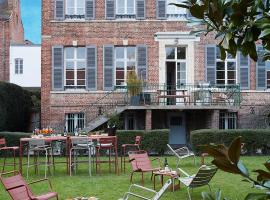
(75, 8)
(125, 62)
(268, 79)
(125, 8)
(74, 122)
(174, 12)
(226, 70)
(227, 120)
(18, 66)
(178, 55)
(75, 64)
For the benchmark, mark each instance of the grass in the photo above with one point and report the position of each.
(109, 186)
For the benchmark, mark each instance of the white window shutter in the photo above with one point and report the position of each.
(91, 68)
(142, 61)
(244, 71)
(161, 9)
(59, 10)
(89, 9)
(260, 70)
(210, 64)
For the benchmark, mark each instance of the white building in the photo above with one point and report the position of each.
(25, 65)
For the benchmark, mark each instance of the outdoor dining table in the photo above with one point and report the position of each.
(67, 140)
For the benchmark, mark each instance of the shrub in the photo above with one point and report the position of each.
(253, 138)
(154, 141)
(13, 138)
(15, 108)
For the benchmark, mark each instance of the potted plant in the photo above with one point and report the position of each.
(113, 124)
(134, 87)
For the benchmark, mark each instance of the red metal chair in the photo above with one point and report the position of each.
(18, 189)
(5, 149)
(141, 163)
(137, 144)
(106, 144)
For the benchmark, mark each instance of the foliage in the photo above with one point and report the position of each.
(253, 138)
(134, 84)
(228, 160)
(114, 121)
(239, 24)
(15, 107)
(13, 138)
(35, 98)
(154, 141)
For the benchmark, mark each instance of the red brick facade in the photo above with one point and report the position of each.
(101, 32)
(11, 31)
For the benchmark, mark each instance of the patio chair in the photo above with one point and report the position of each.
(141, 163)
(5, 149)
(201, 178)
(157, 195)
(124, 147)
(18, 189)
(182, 153)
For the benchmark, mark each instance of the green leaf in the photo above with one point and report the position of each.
(263, 175)
(225, 165)
(218, 194)
(265, 33)
(235, 150)
(197, 11)
(242, 168)
(267, 184)
(207, 196)
(257, 196)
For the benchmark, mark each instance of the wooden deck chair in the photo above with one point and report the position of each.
(201, 178)
(157, 195)
(141, 163)
(18, 189)
(182, 153)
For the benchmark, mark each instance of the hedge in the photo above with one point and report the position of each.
(154, 141)
(15, 108)
(13, 138)
(254, 139)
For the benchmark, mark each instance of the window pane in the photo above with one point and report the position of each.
(70, 3)
(70, 65)
(220, 75)
(69, 53)
(181, 52)
(130, 65)
(222, 82)
(218, 55)
(81, 74)
(70, 82)
(231, 82)
(120, 7)
(170, 52)
(81, 65)
(119, 51)
(131, 53)
(130, 7)
(120, 74)
(70, 74)
(80, 3)
(81, 53)
(268, 74)
(231, 74)
(231, 65)
(220, 66)
(119, 65)
(81, 82)
(183, 66)
(71, 11)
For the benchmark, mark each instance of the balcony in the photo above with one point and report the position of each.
(182, 96)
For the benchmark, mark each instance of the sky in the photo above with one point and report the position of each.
(31, 18)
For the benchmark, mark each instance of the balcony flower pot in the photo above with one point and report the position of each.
(134, 88)
(113, 124)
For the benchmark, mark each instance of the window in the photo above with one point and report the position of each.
(178, 55)
(125, 9)
(75, 63)
(75, 122)
(18, 66)
(174, 12)
(225, 70)
(75, 8)
(227, 120)
(125, 62)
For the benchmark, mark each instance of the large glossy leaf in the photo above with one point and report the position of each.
(243, 169)
(235, 150)
(257, 196)
(212, 151)
(262, 175)
(207, 196)
(226, 165)
(265, 32)
(197, 11)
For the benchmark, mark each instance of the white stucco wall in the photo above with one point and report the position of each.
(31, 55)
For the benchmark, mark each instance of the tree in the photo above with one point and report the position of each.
(239, 24)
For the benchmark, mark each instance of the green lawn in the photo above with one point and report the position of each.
(110, 186)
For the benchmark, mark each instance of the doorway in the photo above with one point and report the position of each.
(177, 135)
(171, 82)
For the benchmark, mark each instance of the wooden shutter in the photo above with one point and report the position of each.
(243, 74)
(260, 70)
(108, 65)
(161, 9)
(59, 10)
(142, 61)
(91, 68)
(210, 64)
(140, 9)
(57, 68)
(110, 9)
(89, 9)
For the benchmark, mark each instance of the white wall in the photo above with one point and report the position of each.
(31, 55)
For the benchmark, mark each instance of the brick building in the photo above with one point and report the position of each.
(90, 46)
(11, 31)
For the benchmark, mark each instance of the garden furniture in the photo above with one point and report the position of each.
(157, 195)
(201, 178)
(181, 153)
(171, 174)
(141, 163)
(5, 149)
(79, 144)
(36, 146)
(137, 144)
(18, 189)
